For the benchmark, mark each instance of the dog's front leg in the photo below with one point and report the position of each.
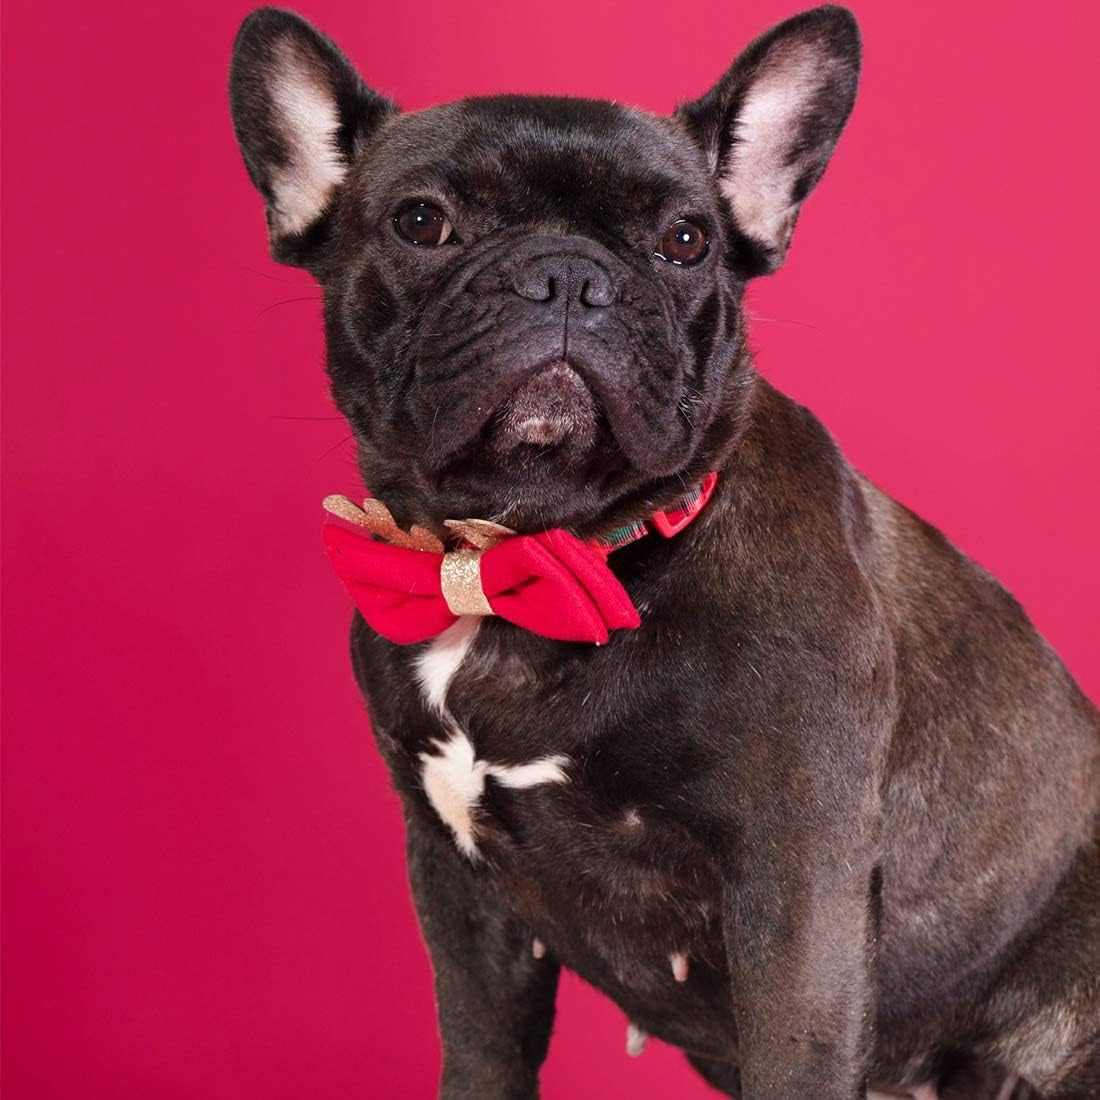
(800, 927)
(494, 998)
(801, 904)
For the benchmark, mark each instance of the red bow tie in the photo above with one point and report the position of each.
(551, 583)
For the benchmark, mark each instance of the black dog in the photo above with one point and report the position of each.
(828, 820)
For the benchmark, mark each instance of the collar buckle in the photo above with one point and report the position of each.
(671, 523)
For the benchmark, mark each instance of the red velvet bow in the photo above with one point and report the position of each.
(551, 583)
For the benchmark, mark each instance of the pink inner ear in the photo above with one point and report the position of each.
(760, 178)
(307, 121)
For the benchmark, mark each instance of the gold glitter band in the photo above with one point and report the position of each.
(460, 577)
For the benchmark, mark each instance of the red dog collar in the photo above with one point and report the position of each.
(669, 522)
(410, 589)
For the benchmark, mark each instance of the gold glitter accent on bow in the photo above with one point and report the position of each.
(482, 533)
(460, 579)
(376, 518)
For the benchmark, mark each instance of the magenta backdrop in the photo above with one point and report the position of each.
(205, 892)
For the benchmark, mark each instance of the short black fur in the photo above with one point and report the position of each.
(836, 767)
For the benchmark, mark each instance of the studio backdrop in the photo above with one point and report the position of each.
(204, 886)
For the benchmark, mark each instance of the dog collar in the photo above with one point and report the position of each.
(667, 522)
(410, 587)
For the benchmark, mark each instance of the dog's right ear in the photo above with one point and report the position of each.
(770, 125)
(301, 114)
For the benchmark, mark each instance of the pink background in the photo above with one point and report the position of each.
(205, 892)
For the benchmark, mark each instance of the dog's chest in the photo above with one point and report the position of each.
(571, 811)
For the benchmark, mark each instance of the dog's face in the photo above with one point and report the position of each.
(533, 304)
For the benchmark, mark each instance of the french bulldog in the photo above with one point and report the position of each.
(828, 817)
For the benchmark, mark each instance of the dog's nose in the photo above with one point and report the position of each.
(564, 279)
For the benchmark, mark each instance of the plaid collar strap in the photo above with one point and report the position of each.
(668, 522)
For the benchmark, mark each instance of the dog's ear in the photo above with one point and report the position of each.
(301, 114)
(770, 125)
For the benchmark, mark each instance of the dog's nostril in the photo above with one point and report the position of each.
(572, 279)
(597, 292)
(535, 285)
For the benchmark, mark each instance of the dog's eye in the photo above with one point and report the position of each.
(423, 224)
(683, 243)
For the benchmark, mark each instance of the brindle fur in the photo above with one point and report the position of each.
(837, 766)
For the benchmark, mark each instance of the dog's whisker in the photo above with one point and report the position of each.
(782, 321)
(286, 302)
(268, 275)
(336, 446)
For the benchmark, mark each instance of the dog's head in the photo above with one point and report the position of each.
(532, 305)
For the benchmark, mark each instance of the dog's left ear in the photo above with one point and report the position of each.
(770, 125)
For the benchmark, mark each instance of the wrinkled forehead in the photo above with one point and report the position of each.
(525, 156)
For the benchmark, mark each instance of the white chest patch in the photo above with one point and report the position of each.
(453, 777)
(454, 781)
(436, 666)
